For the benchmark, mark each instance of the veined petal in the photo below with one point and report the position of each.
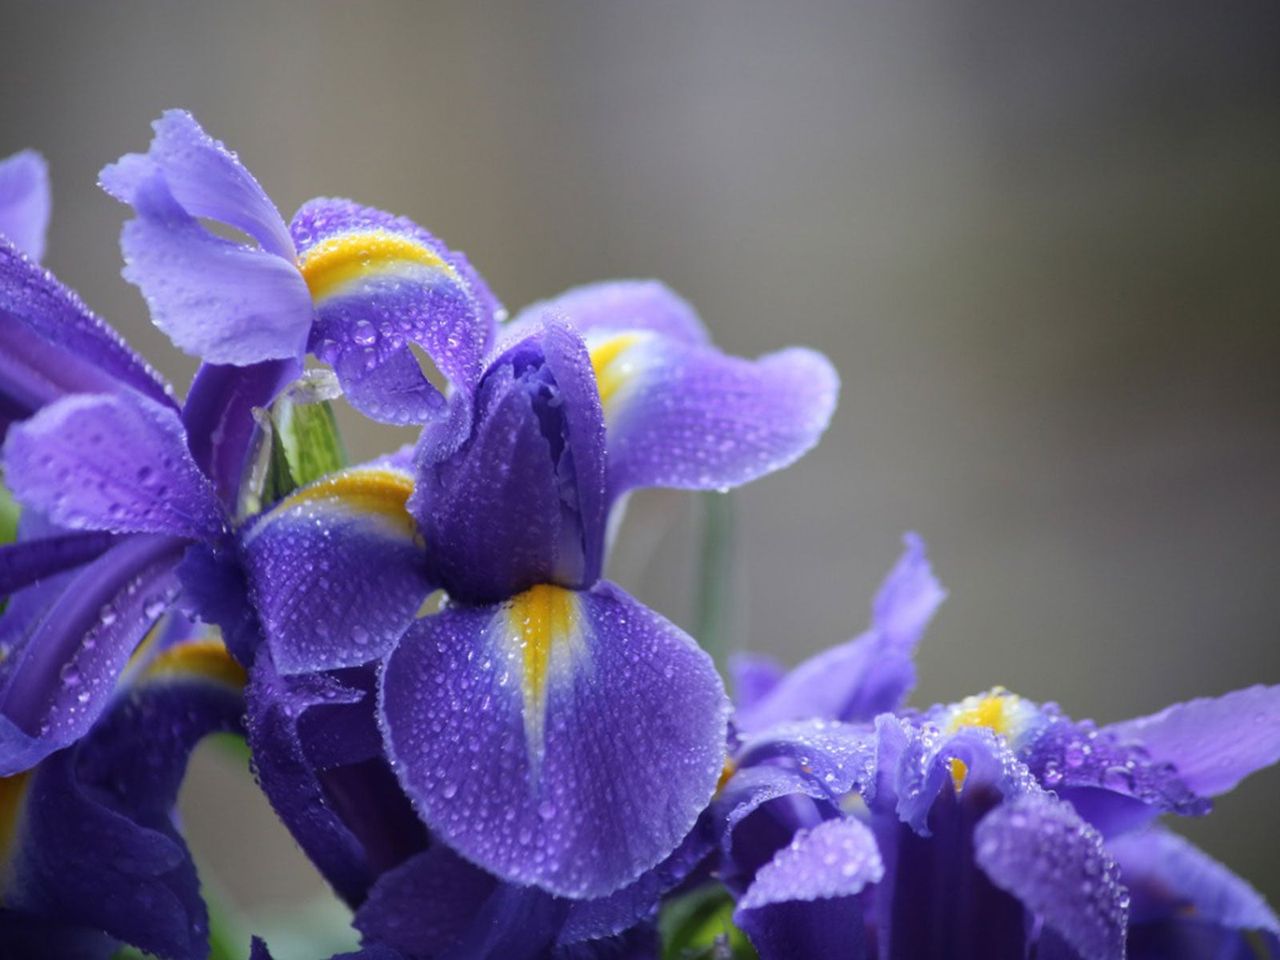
(52, 345)
(868, 676)
(220, 301)
(802, 904)
(1213, 742)
(206, 178)
(380, 283)
(1039, 850)
(566, 740)
(114, 463)
(691, 417)
(643, 306)
(25, 202)
(337, 570)
(91, 838)
(73, 642)
(28, 561)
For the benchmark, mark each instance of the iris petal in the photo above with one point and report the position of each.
(515, 730)
(25, 202)
(644, 306)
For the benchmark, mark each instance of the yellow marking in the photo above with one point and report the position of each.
(334, 263)
(376, 490)
(143, 650)
(959, 773)
(13, 796)
(545, 623)
(613, 370)
(726, 774)
(200, 658)
(1000, 711)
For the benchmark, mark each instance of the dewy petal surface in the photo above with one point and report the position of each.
(562, 739)
(107, 462)
(25, 202)
(337, 570)
(1214, 742)
(641, 306)
(221, 301)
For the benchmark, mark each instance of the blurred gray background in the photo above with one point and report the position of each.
(1038, 241)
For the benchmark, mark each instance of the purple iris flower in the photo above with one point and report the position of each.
(991, 827)
(354, 286)
(91, 853)
(25, 202)
(547, 726)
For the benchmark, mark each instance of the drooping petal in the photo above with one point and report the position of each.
(206, 178)
(1213, 742)
(217, 300)
(640, 306)
(1039, 850)
(381, 283)
(319, 761)
(523, 501)
(62, 667)
(28, 561)
(1169, 877)
(93, 842)
(868, 676)
(839, 757)
(218, 416)
(691, 417)
(563, 739)
(803, 904)
(337, 570)
(25, 202)
(52, 345)
(105, 462)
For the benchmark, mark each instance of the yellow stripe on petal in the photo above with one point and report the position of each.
(544, 631)
(614, 365)
(336, 263)
(204, 659)
(376, 490)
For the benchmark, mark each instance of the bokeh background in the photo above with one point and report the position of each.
(1038, 240)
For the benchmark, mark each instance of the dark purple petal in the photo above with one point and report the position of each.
(25, 202)
(522, 502)
(1039, 850)
(95, 844)
(567, 740)
(1191, 939)
(218, 416)
(598, 309)
(868, 676)
(1169, 877)
(319, 760)
(206, 178)
(62, 669)
(380, 283)
(838, 757)
(803, 904)
(24, 935)
(337, 570)
(1214, 743)
(26, 562)
(52, 345)
(691, 417)
(217, 300)
(112, 463)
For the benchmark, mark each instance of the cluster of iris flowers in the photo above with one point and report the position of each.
(487, 749)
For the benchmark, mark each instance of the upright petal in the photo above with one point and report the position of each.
(93, 842)
(1038, 849)
(1214, 743)
(753, 677)
(221, 301)
(868, 676)
(73, 642)
(337, 570)
(567, 740)
(206, 178)
(803, 904)
(114, 463)
(25, 202)
(642, 306)
(689, 416)
(381, 283)
(52, 345)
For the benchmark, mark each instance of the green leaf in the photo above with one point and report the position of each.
(715, 577)
(9, 512)
(699, 926)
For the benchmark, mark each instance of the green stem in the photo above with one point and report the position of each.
(715, 576)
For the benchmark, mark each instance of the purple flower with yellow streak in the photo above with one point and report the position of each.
(353, 285)
(547, 726)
